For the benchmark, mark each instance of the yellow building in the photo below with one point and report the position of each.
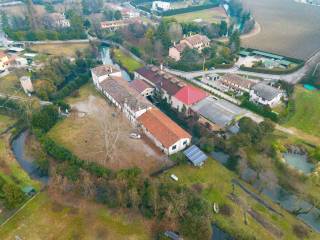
(4, 61)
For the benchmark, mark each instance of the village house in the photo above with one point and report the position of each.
(197, 41)
(165, 133)
(116, 24)
(236, 83)
(4, 61)
(142, 87)
(128, 13)
(266, 95)
(109, 81)
(56, 20)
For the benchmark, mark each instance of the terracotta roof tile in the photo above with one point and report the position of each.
(166, 131)
(190, 95)
(139, 85)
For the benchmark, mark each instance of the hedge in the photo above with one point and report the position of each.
(271, 71)
(261, 110)
(188, 9)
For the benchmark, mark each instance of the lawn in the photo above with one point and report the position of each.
(5, 122)
(215, 181)
(10, 84)
(43, 218)
(126, 60)
(212, 15)
(62, 49)
(307, 113)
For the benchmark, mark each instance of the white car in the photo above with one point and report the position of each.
(174, 177)
(135, 136)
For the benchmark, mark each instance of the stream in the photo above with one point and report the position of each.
(26, 162)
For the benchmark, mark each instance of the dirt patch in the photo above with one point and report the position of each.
(97, 131)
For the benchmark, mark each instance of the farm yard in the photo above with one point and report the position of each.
(212, 15)
(287, 28)
(91, 117)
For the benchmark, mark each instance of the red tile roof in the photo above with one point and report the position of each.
(139, 85)
(166, 131)
(190, 95)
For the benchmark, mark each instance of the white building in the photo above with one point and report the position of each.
(109, 81)
(166, 134)
(265, 94)
(160, 5)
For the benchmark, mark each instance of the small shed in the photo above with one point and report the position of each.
(195, 156)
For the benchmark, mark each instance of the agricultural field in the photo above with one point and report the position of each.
(307, 111)
(287, 28)
(125, 60)
(45, 218)
(213, 182)
(10, 84)
(92, 116)
(212, 15)
(64, 49)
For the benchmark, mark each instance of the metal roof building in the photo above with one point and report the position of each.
(195, 155)
(218, 111)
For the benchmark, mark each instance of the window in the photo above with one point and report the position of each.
(185, 142)
(174, 147)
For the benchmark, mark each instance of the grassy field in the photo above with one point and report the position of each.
(212, 15)
(83, 126)
(215, 181)
(307, 114)
(65, 49)
(10, 84)
(43, 218)
(287, 28)
(127, 61)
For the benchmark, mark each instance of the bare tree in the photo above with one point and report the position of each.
(108, 130)
(175, 32)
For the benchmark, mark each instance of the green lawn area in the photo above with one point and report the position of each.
(212, 15)
(10, 84)
(215, 180)
(5, 122)
(307, 113)
(44, 218)
(126, 60)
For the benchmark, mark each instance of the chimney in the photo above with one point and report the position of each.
(161, 67)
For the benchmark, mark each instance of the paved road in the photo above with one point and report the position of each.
(293, 78)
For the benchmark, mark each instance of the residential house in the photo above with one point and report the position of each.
(107, 80)
(4, 61)
(265, 94)
(142, 87)
(236, 83)
(187, 96)
(56, 20)
(128, 13)
(197, 41)
(116, 24)
(102, 72)
(163, 82)
(165, 133)
(160, 6)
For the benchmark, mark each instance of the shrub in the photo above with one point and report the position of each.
(300, 231)
(226, 210)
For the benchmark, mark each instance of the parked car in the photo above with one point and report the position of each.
(174, 177)
(135, 136)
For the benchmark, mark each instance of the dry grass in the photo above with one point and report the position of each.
(10, 84)
(65, 49)
(287, 28)
(81, 133)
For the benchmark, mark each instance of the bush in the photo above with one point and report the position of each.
(226, 210)
(300, 231)
(46, 118)
(13, 196)
(264, 111)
